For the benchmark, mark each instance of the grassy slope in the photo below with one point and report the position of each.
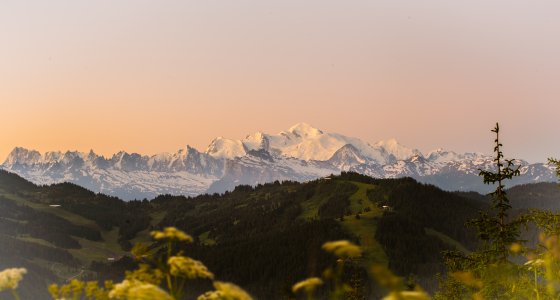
(364, 227)
(57, 211)
(144, 235)
(99, 251)
(27, 238)
(448, 240)
(91, 250)
(311, 207)
(206, 240)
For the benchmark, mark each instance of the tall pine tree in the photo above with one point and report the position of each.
(497, 233)
(494, 229)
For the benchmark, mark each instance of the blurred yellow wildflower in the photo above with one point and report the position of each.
(137, 290)
(91, 288)
(308, 285)
(516, 248)
(386, 278)
(120, 290)
(10, 278)
(148, 292)
(77, 289)
(534, 263)
(343, 249)
(225, 291)
(182, 266)
(93, 291)
(146, 274)
(173, 234)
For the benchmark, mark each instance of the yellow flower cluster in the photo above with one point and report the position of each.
(137, 290)
(187, 267)
(173, 234)
(145, 273)
(10, 278)
(308, 285)
(77, 289)
(343, 249)
(225, 291)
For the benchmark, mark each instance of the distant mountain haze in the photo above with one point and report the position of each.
(300, 153)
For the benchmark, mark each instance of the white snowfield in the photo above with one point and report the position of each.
(301, 153)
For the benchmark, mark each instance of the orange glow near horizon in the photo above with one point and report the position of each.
(144, 77)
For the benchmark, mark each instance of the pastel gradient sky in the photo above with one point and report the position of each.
(154, 76)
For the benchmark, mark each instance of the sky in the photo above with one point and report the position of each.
(154, 76)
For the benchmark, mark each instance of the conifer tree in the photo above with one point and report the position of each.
(495, 229)
(497, 233)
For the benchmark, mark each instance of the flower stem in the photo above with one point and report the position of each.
(15, 294)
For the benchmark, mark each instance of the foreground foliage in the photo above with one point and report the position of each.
(506, 267)
(10, 278)
(163, 273)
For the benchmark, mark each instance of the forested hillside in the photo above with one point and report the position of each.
(264, 238)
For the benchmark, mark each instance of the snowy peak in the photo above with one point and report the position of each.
(305, 142)
(256, 141)
(301, 141)
(305, 130)
(22, 156)
(188, 160)
(399, 151)
(52, 156)
(225, 148)
(347, 157)
(441, 156)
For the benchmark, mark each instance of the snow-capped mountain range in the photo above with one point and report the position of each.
(301, 153)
